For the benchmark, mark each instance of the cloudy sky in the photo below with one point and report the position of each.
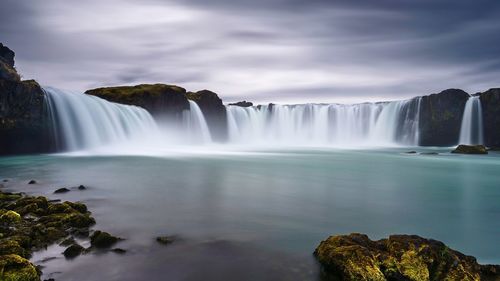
(260, 50)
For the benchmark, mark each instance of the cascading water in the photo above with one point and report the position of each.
(367, 124)
(196, 125)
(471, 131)
(86, 122)
(82, 121)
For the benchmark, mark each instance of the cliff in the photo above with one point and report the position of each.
(24, 125)
(214, 111)
(160, 100)
(441, 117)
(490, 103)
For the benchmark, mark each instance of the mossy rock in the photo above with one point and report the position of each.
(11, 246)
(470, 149)
(399, 257)
(101, 239)
(10, 217)
(16, 268)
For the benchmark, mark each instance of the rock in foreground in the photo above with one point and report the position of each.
(470, 149)
(400, 257)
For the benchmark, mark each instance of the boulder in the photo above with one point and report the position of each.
(399, 257)
(470, 149)
(101, 239)
(161, 100)
(73, 251)
(214, 111)
(441, 117)
(242, 103)
(16, 268)
(490, 103)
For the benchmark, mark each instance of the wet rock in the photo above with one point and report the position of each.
(81, 187)
(411, 152)
(32, 182)
(165, 240)
(470, 149)
(61, 190)
(101, 239)
(73, 251)
(119, 251)
(399, 257)
(16, 268)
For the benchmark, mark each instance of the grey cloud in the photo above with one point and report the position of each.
(260, 50)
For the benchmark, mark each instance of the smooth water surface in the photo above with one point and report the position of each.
(258, 215)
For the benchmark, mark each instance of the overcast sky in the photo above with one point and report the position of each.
(260, 50)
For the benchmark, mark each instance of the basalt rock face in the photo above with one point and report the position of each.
(24, 122)
(399, 257)
(490, 103)
(441, 117)
(160, 100)
(214, 111)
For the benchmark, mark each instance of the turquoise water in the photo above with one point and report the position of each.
(260, 214)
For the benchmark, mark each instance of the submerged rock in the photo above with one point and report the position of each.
(429, 153)
(61, 190)
(470, 149)
(81, 187)
(101, 239)
(399, 257)
(32, 182)
(165, 240)
(119, 251)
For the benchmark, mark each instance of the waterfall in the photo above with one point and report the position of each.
(471, 131)
(196, 125)
(83, 121)
(367, 124)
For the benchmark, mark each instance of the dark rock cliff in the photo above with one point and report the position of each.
(160, 100)
(441, 117)
(214, 111)
(490, 103)
(24, 124)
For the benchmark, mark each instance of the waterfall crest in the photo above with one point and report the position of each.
(471, 130)
(372, 124)
(82, 121)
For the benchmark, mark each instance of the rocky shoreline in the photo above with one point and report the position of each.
(32, 223)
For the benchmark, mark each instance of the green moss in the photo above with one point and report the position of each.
(10, 217)
(16, 268)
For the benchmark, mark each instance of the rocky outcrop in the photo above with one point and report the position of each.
(490, 103)
(214, 111)
(160, 100)
(24, 123)
(470, 149)
(441, 117)
(242, 103)
(400, 257)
